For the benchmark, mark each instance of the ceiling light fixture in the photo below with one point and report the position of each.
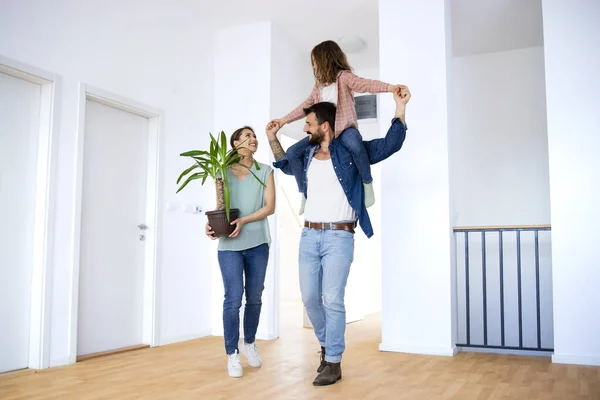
(352, 44)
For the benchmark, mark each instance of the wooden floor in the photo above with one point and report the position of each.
(197, 370)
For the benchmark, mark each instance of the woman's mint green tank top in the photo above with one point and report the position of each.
(248, 195)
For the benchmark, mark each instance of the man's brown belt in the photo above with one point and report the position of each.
(340, 226)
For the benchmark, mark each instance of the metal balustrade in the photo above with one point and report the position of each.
(504, 287)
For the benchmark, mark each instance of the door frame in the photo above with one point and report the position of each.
(154, 189)
(45, 196)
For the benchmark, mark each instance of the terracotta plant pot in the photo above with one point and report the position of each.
(218, 221)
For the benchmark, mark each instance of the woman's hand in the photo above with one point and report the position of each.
(279, 122)
(238, 226)
(209, 232)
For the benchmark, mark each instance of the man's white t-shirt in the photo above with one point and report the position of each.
(326, 200)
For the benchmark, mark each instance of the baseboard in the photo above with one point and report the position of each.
(60, 362)
(112, 352)
(485, 350)
(576, 359)
(185, 338)
(406, 348)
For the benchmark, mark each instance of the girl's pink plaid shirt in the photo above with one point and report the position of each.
(347, 85)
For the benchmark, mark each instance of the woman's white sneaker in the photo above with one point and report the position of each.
(234, 365)
(250, 351)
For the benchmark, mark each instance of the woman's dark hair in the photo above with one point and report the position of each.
(236, 135)
(330, 61)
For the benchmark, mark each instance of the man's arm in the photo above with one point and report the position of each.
(276, 148)
(380, 149)
(281, 161)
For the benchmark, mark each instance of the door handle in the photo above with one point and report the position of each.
(143, 227)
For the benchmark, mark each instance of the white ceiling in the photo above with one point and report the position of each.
(306, 22)
(486, 26)
(478, 26)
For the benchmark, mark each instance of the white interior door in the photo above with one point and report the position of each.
(111, 286)
(19, 130)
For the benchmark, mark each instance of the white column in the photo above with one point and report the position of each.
(418, 311)
(572, 58)
(243, 97)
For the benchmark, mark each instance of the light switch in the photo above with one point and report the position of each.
(191, 208)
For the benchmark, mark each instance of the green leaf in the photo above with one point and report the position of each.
(253, 174)
(193, 153)
(213, 145)
(207, 170)
(223, 145)
(202, 159)
(211, 160)
(188, 180)
(187, 171)
(231, 161)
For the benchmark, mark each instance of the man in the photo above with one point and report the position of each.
(334, 197)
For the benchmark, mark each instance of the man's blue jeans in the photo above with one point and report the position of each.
(324, 263)
(234, 265)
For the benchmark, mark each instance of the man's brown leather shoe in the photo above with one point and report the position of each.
(331, 373)
(322, 360)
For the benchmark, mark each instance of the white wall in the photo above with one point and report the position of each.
(499, 146)
(417, 306)
(572, 59)
(150, 52)
(291, 82)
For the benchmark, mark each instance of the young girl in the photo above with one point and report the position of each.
(335, 83)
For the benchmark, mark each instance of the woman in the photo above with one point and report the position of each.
(246, 251)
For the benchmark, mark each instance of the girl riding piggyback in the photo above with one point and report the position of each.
(335, 83)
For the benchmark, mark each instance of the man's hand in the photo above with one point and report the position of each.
(209, 232)
(402, 96)
(273, 127)
(401, 99)
(238, 227)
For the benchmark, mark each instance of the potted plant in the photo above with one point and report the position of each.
(214, 163)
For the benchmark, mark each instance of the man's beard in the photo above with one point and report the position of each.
(316, 138)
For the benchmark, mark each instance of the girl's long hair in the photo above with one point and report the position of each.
(328, 61)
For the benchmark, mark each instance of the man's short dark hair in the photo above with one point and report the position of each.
(324, 112)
